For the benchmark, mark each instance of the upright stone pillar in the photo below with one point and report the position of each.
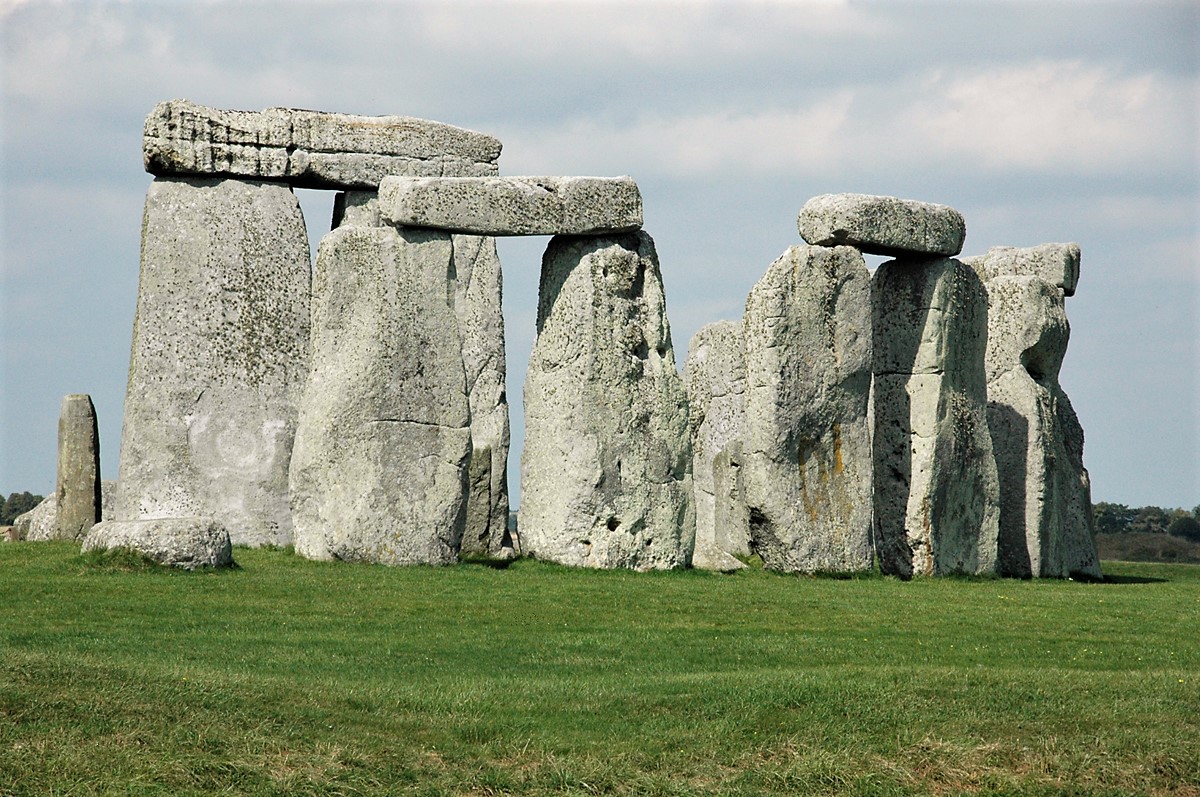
(78, 489)
(807, 444)
(380, 466)
(219, 356)
(605, 469)
(936, 489)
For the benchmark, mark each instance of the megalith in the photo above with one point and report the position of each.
(379, 471)
(806, 473)
(188, 543)
(78, 484)
(219, 354)
(936, 488)
(1046, 527)
(715, 377)
(605, 470)
(882, 225)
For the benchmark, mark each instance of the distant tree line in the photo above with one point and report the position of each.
(17, 504)
(1121, 519)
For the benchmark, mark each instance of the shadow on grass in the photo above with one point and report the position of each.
(1131, 580)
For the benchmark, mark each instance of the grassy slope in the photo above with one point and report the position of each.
(295, 677)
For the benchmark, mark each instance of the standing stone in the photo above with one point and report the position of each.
(715, 376)
(1057, 264)
(605, 470)
(807, 444)
(1046, 526)
(219, 356)
(78, 488)
(936, 488)
(380, 466)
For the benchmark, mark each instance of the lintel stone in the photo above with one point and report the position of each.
(882, 225)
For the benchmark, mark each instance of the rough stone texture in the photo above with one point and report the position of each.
(308, 149)
(189, 543)
(78, 487)
(715, 376)
(514, 205)
(605, 469)
(220, 353)
(1045, 493)
(882, 225)
(936, 488)
(1057, 264)
(108, 499)
(380, 466)
(806, 470)
(38, 524)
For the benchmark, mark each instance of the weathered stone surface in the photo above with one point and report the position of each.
(219, 356)
(380, 465)
(806, 471)
(1057, 264)
(1045, 493)
(936, 488)
(308, 149)
(882, 225)
(715, 377)
(108, 499)
(78, 488)
(605, 469)
(38, 524)
(514, 205)
(189, 542)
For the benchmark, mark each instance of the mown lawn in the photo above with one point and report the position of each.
(295, 677)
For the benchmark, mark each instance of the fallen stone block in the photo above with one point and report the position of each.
(1057, 264)
(308, 149)
(38, 524)
(514, 205)
(188, 543)
(78, 485)
(882, 225)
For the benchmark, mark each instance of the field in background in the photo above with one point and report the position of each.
(294, 677)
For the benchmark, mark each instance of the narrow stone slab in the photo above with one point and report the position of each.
(1057, 264)
(514, 205)
(308, 149)
(188, 543)
(882, 225)
(78, 468)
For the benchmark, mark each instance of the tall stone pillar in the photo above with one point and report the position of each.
(78, 487)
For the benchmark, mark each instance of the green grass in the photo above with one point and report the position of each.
(293, 677)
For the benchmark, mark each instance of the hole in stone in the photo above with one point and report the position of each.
(613, 524)
(639, 282)
(642, 351)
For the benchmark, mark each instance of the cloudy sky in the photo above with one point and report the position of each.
(1048, 121)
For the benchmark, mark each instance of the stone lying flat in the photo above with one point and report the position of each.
(514, 205)
(1057, 264)
(189, 543)
(78, 485)
(882, 225)
(308, 149)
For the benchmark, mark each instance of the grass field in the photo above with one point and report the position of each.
(293, 677)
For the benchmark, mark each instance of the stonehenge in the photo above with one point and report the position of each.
(908, 418)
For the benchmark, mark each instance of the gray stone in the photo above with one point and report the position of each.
(605, 469)
(308, 149)
(882, 225)
(1046, 524)
(78, 488)
(219, 356)
(936, 487)
(514, 205)
(38, 524)
(715, 376)
(108, 499)
(380, 465)
(1057, 264)
(806, 471)
(189, 543)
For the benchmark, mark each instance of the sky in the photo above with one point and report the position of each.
(1039, 122)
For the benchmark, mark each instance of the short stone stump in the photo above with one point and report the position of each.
(190, 542)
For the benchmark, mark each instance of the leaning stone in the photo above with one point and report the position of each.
(188, 543)
(380, 465)
(38, 524)
(882, 225)
(807, 447)
(308, 149)
(715, 377)
(514, 205)
(1057, 264)
(605, 469)
(936, 487)
(220, 354)
(1045, 494)
(78, 468)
